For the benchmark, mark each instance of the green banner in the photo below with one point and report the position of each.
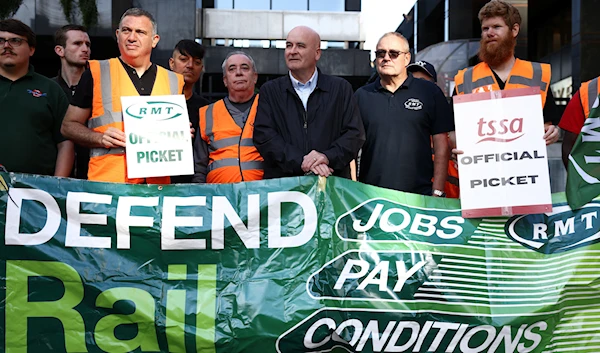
(288, 265)
(583, 170)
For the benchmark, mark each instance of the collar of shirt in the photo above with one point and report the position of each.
(310, 85)
(404, 85)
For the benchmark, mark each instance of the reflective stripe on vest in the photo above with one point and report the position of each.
(110, 116)
(467, 85)
(234, 162)
(588, 94)
(230, 141)
(536, 80)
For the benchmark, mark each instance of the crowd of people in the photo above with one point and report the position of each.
(307, 122)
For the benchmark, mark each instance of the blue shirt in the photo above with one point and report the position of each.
(305, 89)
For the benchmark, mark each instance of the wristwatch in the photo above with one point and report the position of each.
(438, 193)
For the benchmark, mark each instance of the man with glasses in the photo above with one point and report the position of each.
(401, 116)
(33, 108)
(307, 121)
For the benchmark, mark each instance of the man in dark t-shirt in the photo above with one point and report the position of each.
(187, 60)
(73, 47)
(401, 115)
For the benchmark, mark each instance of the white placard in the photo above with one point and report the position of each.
(504, 168)
(157, 131)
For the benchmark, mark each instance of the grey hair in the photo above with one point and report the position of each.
(238, 52)
(137, 12)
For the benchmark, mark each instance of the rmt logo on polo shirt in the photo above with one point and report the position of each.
(36, 93)
(413, 104)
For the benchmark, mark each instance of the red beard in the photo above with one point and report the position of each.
(494, 54)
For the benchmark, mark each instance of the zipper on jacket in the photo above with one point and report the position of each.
(305, 132)
(240, 151)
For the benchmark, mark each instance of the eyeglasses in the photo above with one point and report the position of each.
(13, 42)
(394, 54)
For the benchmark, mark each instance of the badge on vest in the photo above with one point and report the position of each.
(413, 104)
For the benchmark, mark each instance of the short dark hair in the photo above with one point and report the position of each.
(190, 48)
(60, 36)
(137, 12)
(19, 28)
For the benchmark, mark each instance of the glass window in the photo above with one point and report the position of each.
(223, 4)
(252, 4)
(329, 5)
(292, 5)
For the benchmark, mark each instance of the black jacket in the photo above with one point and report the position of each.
(284, 132)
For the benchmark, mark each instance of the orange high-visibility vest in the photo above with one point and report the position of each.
(588, 94)
(452, 188)
(111, 82)
(480, 78)
(232, 157)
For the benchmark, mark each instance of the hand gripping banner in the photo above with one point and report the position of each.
(288, 265)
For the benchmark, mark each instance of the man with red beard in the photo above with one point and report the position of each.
(499, 69)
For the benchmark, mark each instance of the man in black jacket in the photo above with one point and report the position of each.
(307, 121)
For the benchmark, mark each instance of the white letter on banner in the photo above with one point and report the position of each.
(381, 270)
(13, 217)
(170, 220)
(308, 337)
(250, 235)
(340, 336)
(126, 220)
(363, 269)
(75, 219)
(276, 199)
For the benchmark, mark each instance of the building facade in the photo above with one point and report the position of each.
(257, 26)
(563, 33)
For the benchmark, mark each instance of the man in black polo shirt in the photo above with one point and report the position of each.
(400, 115)
(33, 108)
(73, 47)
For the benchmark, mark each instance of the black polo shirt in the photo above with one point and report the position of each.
(85, 89)
(33, 108)
(398, 128)
(69, 90)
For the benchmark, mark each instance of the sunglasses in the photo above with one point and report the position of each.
(394, 54)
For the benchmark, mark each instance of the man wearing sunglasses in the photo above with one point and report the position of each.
(402, 115)
(33, 108)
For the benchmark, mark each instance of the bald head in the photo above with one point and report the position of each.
(302, 51)
(309, 35)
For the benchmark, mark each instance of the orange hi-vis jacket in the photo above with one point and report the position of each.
(588, 94)
(232, 157)
(480, 78)
(111, 82)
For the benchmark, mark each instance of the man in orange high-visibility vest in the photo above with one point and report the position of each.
(223, 149)
(500, 70)
(94, 118)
